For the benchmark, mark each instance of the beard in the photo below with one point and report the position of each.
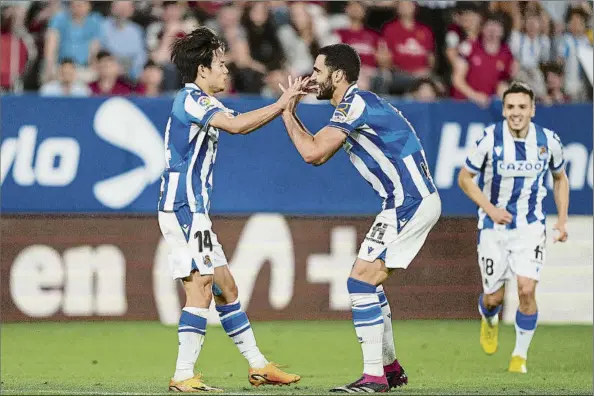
(326, 90)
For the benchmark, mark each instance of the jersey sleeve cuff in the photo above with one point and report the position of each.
(346, 129)
(471, 167)
(208, 116)
(558, 168)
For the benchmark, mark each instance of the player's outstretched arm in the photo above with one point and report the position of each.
(498, 215)
(252, 120)
(315, 150)
(561, 194)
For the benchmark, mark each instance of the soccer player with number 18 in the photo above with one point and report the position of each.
(511, 160)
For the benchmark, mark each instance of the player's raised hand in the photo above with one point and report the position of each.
(293, 93)
(561, 233)
(500, 216)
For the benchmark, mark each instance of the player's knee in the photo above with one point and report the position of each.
(526, 292)
(373, 273)
(493, 300)
(198, 290)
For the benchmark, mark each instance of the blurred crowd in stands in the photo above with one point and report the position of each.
(422, 50)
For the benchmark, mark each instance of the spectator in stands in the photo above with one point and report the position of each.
(411, 43)
(18, 47)
(298, 41)
(386, 80)
(246, 73)
(576, 84)
(364, 40)
(424, 90)
(531, 49)
(36, 21)
(124, 39)
(463, 33)
(271, 81)
(109, 82)
(554, 79)
(67, 83)
(490, 62)
(73, 34)
(150, 80)
(160, 36)
(435, 13)
(262, 36)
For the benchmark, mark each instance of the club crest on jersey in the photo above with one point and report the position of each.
(207, 261)
(543, 153)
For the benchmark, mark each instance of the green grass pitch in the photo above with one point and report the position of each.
(441, 357)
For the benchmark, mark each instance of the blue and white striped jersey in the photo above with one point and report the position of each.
(190, 151)
(512, 171)
(385, 149)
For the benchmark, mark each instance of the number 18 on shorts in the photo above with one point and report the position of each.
(503, 254)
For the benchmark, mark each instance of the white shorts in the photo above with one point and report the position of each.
(505, 253)
(397, 241)
(192, 244)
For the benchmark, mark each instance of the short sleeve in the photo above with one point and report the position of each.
(557, 163)
(57, 22)
(200, 108)
(350, 114)
(479, 152)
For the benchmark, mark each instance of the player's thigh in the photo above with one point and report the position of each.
(204, 244)
(182, 258)
(528, 251)
(406, 245)
(493, 259)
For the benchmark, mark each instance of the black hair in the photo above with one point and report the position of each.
(342, 57)
(193, 50)
(103, 54)
(519, 87)
(67, 61)
(579, 12)
(422, 81)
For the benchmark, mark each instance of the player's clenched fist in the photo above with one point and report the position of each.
(561, 233)
(500, 216)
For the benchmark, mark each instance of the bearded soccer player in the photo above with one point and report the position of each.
(384, 147)
(511, 160)
(196, 256)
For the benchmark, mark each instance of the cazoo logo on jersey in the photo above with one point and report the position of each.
(54, 161)
(453, 151)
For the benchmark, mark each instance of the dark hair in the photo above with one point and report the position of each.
(422, 81)
(463, 6)
(193, 50)
(580, 12)
(67, 61)
(342, 57)
(103, 54)
(519, 87)
(552, 67)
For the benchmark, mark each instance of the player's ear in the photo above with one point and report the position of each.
(337, 76)
(202, 71)
(533, 113)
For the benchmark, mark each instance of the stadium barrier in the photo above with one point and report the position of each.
(80, 240)
(102, 155)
